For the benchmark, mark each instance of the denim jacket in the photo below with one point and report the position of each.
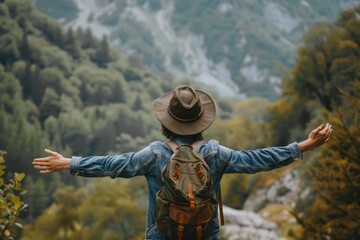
(150, 161)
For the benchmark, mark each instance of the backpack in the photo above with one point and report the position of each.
(186, 204)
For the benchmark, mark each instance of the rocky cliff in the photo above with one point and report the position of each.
(240, 48)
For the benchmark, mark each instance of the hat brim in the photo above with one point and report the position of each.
(185, 128)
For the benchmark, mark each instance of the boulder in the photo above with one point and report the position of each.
(247, 225)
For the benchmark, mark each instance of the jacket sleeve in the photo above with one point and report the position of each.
(252, 161)
(125, 165)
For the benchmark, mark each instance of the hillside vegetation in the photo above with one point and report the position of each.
(70, 92)
(241, 47)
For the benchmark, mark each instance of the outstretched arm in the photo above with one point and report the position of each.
(317, 137)
(265, 159)
(52, 163)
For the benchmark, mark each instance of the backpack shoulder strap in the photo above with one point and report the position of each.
(196, 145)
(172, 145)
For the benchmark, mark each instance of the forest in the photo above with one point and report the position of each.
(66, 90)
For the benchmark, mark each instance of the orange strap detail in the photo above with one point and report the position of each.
(191, 197)
(176, 173)
(200, 173)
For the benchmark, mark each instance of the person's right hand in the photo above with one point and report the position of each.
(52, 163)
(317, 137)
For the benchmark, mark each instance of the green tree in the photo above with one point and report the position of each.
(11, 204)
(119, 94)
(102, 55)
(36, 85)
(328, 60)
(75, 131)
(10, 38)
(137, 103)
(104, 209)
(59, 220)
(71, 44)
(50, 105)
(66, 214)
(112, 212)
(40, 194)
(88, 40)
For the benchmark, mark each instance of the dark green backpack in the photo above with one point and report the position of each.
(186, 204)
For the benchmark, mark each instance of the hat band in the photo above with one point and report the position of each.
(187, 120)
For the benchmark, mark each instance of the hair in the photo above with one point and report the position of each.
(170, 135)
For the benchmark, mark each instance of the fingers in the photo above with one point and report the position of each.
(326, 131)
(41, 160)
(44, 169)
(55, 154)
(53, 163)
(318, 129)
(322, 129)
(324, 134)
(45, 164)
(41, 166)
(314, 132)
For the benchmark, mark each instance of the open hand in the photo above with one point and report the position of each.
(52, 163)
(317, 137)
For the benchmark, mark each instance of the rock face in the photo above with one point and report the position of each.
(267, 211)
(284, 191)
(247, 225)
(238, 52)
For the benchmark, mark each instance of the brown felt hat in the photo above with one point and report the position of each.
(185, 111)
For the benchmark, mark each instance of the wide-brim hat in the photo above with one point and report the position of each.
(185, 111)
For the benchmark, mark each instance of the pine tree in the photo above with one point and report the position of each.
(102, 55)
(137, 103)
(88, 40)
(71, 44)
(119, 95)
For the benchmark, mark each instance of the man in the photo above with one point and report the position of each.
(184, 114)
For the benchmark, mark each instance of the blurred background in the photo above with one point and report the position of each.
(80, 77)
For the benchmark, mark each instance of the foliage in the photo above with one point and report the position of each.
(335, 210)
(50, 82)
(232, 31)
(330, 71)
(328, 61)
(325, 64)
(324, 86)
(92, 212)
(40, 194)
(11, 204)
(70, 92)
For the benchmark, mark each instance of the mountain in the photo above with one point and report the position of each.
(241, 48)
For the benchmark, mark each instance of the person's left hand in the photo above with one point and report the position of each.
(316, 138)
(54, 162)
